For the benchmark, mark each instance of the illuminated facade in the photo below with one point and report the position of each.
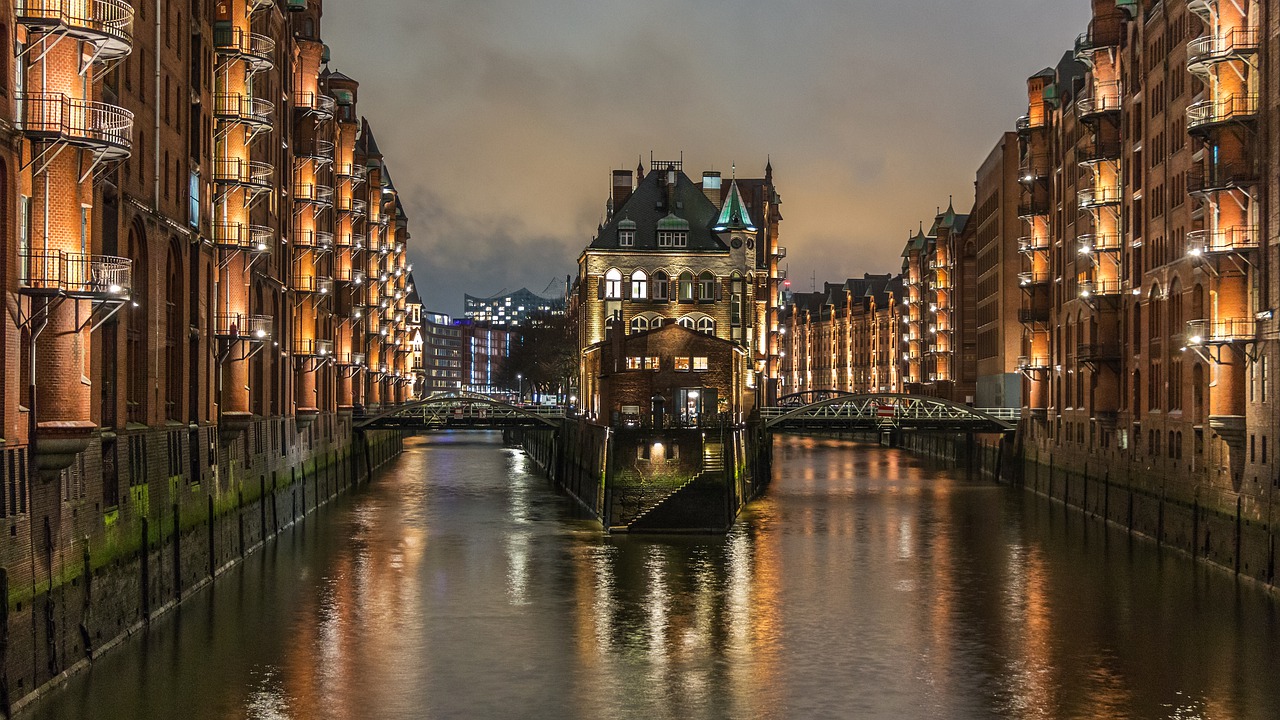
(511, 310)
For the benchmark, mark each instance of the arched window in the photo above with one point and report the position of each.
(706, 286)
(613, 285)
(639, 324)
(661, 286)
(137, 360)
(639, 285)
(707, 325)
(687, 322)
(655, 323)
(686, 287)
(1176, 324)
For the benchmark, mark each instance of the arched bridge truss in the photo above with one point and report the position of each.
(889, 412)
(460, 410)
(809, 397)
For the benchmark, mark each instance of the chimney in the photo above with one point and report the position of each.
(622, 188)
(711, 183)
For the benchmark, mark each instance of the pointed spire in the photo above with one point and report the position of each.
(639, 170)
(768, 170)
(734, 216)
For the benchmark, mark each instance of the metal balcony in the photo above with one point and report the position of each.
(1237, 44)
(351, 276)
(1033, 207)
(312, 285)
(1097, 197)
(1033, 316)
(317, 104)
(256, 51)
(1100, 289)
(106, 26)
(75, 275)
(1028, 363)
(1098, 352)
(1208, 114)
(1220, 332)
(312, 348)
(1223, 241)
(244, 109)
(241, 236)
(349, 240)
(1106, 99)
(352, 206)
(1220, 176)
(1033, 279)
(254, 328)
(104, 129)
(313, 194)
(1091, 243)
(248, 174)
(355, 173)
(1102, 35)
(1099, 151)
(315, 240)
(1033, 168)
(1028, 244)
(1026, 124)
(320, 151)
(351, 359)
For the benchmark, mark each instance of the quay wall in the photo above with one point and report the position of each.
(143, 520)
(1226, 529)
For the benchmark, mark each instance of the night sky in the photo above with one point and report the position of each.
(502, 119)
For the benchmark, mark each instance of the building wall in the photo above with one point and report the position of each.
(995, 218)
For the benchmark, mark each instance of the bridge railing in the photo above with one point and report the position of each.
(1010, 414)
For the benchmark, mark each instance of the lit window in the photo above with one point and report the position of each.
(700, 363)
(682, 364)
(652, 363)
(686, 287)
(707, 286)
(635, 363)
(613, 285)
(639, 285)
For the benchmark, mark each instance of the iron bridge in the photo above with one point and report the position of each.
(460, 410)
(887, 411)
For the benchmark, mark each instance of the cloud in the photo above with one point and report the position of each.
(501, 119)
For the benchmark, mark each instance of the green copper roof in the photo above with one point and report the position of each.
(671, 222)
(627, 224)
(734, 216)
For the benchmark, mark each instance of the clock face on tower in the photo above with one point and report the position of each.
(735, 243)
(751, 244)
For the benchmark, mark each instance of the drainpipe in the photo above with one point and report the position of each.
(156, 205)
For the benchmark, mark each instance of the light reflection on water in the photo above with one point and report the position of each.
(865, 585)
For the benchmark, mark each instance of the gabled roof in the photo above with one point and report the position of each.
(649, 210)
(734, 215)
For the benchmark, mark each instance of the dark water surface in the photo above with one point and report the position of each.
(866, 585)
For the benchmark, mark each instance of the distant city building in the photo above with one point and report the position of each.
(485, 350)
(441, 353)
(512, 309)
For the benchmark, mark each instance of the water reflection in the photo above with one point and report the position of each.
(867, 584)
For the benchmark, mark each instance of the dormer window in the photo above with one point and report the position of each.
(673, 232)
(626, 238)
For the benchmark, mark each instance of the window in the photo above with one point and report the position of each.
(666, 239)
(686, 286)
(687, 322)
(639, 324)
(613, 285)
(681, 239)
(626, 238)
(682, 364)
(24, 237)
(635, 363)
(707, 325)
(639, 285)
(661, 286)
(707, 286)
(652, 363)
(700, 364)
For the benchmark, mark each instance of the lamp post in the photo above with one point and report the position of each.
(519, 388)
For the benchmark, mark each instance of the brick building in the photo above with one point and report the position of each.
(205, 269)
(701, 255)
(845, 338)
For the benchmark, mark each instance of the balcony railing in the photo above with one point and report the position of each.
(1237, 239)
(100, 127)
(1105, 99)
(87, 277)
(1033, 207)
(1100, 151)
(350, 276)
(1100, 288)
(312, 347)
(356, 173)
(106, 25)
(1033, 243)
(315, 103)
(1102, 34)
(1098, 352)
(313, 194)
(351, 359)
(255, 328)
(1033, 362)
(317, 240)
(1033, 278)
(257, 51)
(1235, 44)
(1232, 108)
(316, 150)
(1220, 332)
(1219, 176)
(312, 285)
(1091, 243)
(240, 236)
(1033, 316)
(1033, 168)
(243, 173)
(351, 240)
(245, 109)
(1096, 197)
(1026, 123)
(353, 206)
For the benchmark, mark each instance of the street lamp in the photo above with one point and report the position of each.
(519, 387)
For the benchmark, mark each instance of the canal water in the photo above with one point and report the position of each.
(867, 584)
